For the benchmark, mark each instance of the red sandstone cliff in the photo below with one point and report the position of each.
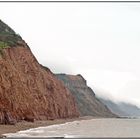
(28, 91)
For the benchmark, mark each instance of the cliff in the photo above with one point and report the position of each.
(27, 90)
(122, 109)
(87, 102)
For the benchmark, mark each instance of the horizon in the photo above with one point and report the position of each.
(99, 41)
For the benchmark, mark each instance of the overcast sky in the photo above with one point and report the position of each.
(101, 41)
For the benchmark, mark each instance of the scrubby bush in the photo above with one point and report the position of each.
(10, 39)
(3, 45)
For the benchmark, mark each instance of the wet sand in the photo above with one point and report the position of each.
(27, 125)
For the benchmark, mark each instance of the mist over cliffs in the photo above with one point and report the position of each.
(28, 91)
(122, 109)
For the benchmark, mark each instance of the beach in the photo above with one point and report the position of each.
(86, 128)
(24, 125)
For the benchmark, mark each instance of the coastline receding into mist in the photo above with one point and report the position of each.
(70, 70)
(100, 39)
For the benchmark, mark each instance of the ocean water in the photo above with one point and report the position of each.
(94, 128)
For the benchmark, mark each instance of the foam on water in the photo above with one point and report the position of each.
(41, 132)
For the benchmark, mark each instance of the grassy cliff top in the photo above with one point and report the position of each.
(8, 37)
(5, 29)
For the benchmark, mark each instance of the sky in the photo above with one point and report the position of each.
(98, 40)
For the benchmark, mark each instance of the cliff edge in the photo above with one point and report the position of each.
(87, 102)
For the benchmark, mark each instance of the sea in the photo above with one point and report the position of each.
(93, 128)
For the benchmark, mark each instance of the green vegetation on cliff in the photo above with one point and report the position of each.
(3, 45)
(8, 37)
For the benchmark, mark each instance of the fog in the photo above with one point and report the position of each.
(99, 40)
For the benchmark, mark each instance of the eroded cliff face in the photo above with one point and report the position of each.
(27, 90)
(87, 102)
